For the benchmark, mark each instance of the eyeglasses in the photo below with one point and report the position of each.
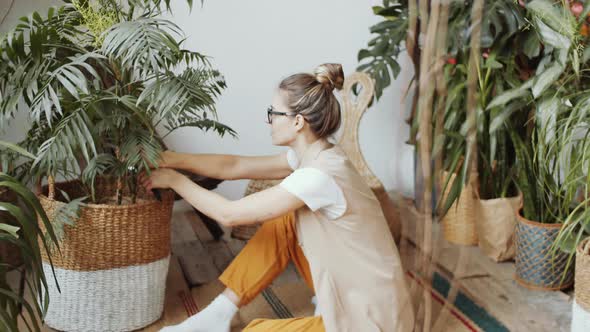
(270, 111)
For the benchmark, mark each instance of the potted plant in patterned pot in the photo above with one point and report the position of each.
(552, 164)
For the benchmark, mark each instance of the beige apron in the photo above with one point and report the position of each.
(355, 265)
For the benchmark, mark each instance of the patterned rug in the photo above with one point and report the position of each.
(464, 314)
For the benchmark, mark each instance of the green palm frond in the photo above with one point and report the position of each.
(59, 149)
(190, 94)
(35, 36)
(139, 149)
(72, 77)
(146, 45)
(67, 214)
(208, 124)
(98, 166)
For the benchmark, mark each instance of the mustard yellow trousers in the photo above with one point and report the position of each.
(263, 258)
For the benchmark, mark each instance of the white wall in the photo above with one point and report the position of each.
(257, 43)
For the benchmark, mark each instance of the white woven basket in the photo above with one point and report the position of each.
(112, 264)
(121, 299)
(580, 319)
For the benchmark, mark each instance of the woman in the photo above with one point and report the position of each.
(322, 216)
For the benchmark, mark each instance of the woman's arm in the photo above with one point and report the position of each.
(258, 207)
(228, 167)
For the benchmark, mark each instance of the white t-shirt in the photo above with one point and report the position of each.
(317, 189)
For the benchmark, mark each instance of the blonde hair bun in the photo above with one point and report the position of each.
(330, 74)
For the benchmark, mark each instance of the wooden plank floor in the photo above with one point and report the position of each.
(490, 284)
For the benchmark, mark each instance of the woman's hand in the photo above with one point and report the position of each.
(165, 160)
(161, 178)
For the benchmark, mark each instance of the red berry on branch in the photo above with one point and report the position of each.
(577, 8)
(452, 61)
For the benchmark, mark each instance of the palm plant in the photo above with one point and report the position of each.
(569, 197)
(554, 166)
(506, 54)
(19, 214)
(97, 78)
(511, 52)
(560, 82)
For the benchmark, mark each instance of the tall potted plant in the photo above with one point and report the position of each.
(503, 39)
(467, 202)
(97, 79)
(551, 166)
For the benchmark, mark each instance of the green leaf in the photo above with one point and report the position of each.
(364, 53)
(511, 94)
(586, 54)
(12, 230)
(586, 224)
(503, 115)
(145, 44)
(17, 149)
(556, 18)
(394, 65)
(376, 9)
(552, 37)
(576, 62)
(492, 63)
(546, 78)
(388, 12)
(568, 244)
(525, 180)
(532, 45)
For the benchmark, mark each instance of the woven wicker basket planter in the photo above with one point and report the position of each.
(536, 267)
(458, 225)
(246, 232)
(581, 306)
(113, 263)
(9, 253)
(496, 227)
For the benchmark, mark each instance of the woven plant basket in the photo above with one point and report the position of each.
(113, 263)
(458, 225)
(9, 252)
(536, 267)
(245, 232)
(496, 227)
(581, 306)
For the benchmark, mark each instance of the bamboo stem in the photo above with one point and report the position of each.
(441, 88)
(461, 266)
(413, 49)
(476, 19)
(51, 187)
(428, 28)
(119, 192)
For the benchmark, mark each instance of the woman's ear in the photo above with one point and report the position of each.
(299, 122)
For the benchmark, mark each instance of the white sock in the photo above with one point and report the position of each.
(316, 312)
(215, 318)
